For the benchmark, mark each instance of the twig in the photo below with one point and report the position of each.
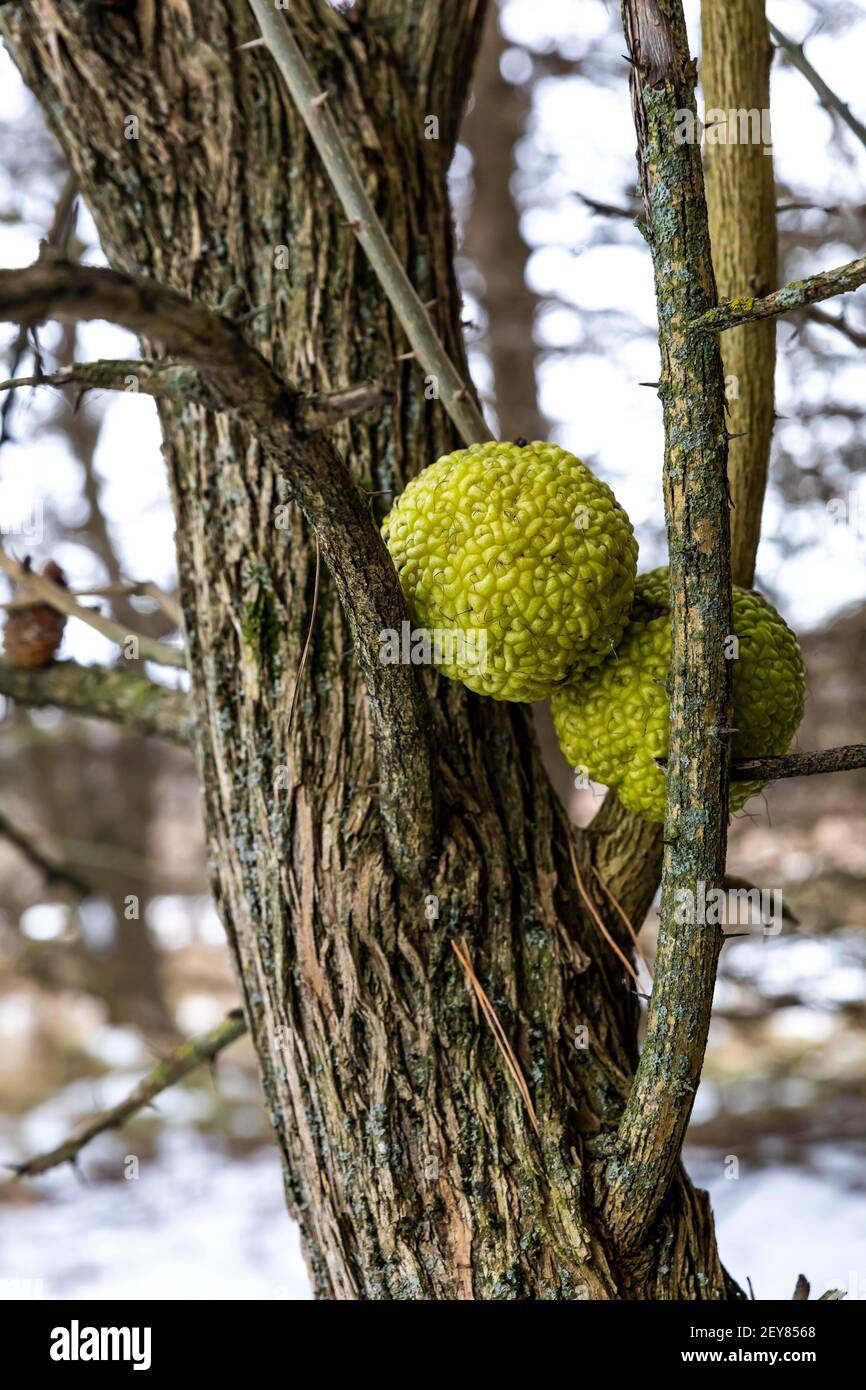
(60, 598)
(172, 1069)
(303, 661)
(137, 589)
(58, 236)
(324, 131)
(826, 320)
(462, 954)
(597, 917)
(798, 59)
(845, 759)
(627, 921)
(797, 295)
(103, 692)
(323, 411)
(55, 874)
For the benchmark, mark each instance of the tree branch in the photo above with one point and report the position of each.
(315, 476)
(56, 596)
(102, 692)
(844, 759)
(54, 874)
(646, 1151)
(174, 1068)
(797, 295)
(798, 59)
(179, 382)
(312, 104)
(133, 588)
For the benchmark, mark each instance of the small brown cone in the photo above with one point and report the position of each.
(34, 632)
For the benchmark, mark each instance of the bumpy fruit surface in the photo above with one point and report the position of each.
(614, 721)
(522, 547)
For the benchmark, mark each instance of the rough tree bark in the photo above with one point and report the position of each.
(410, 1160)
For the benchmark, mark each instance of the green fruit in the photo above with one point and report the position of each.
(614, 721)
(525, 550)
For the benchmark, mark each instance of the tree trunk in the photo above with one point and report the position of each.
(410, 1159)
(741, 202)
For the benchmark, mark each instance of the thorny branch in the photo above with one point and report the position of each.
(179, 382)
(798, 295)
(174, 1068)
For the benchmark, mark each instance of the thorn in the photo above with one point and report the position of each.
(649, 383)
(741, 435)
(404, 357)
(639, 994)
(253, 43)
(76, 1168)
(428, 303)
(319, 100)
(777, 416)
(628, 59)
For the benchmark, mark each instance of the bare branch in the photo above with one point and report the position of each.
(138, 589)
(797, 58)
(136, 375)
(323, 411)
(797, 295)
(56, 596)
(174, 1068)
(102, 692)
(179, 382)
(55, 875)
(854, 335)
(418, 326)
(844, 759)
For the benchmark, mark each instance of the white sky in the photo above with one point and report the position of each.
(585, 133)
